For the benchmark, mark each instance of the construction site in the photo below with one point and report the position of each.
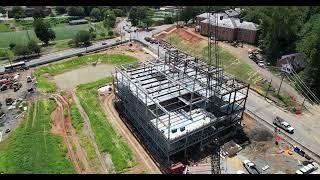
(178, 103)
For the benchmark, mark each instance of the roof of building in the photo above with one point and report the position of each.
(78, 21)
(206, 15)
(232, 23)
(232, 13)
(291, 55)
(238, 10)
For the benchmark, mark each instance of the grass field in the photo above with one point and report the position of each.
(230, 63)
(5, 28)
(62, 32)
(32, 148)
(77, 121)
(58, 68)
(107, 139)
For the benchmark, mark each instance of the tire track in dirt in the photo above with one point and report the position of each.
(34, 113)
(58, 127)
(142, 155)
(72, 135)
(87, 125)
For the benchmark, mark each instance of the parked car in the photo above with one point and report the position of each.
(251, 167)
(7, 130)
(104, 43)
(283, 124)
(9, 101)
(261, 64)
(3, 87)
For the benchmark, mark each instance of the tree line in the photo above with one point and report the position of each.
(286, 30)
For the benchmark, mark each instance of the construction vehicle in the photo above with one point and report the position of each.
(283, 124)
(9, 101)
(177, 168)
(29, 79)
(16, 86)
(251, 167)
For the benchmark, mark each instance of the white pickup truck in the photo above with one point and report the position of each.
(283, 124)
(251, 167)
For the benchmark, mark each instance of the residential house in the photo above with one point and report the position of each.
(292, 63)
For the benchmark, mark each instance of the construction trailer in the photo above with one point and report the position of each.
(178, 102)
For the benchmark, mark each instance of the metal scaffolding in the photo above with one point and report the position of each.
(178, 102)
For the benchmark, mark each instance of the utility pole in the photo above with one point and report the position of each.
(280, 84)
(268, 89)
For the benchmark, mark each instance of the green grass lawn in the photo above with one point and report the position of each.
(107, 139)
(230, 63)
(77, 121)
(62, 32)
(59, 68)
(33, 148)
(5, 28)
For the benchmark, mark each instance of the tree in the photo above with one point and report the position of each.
(168, 20)
(75, 11)
(82, 38)
(37, 14)
(96, 14)
(43, 31)
(61, 9)
(17, 12)
(310, 46)
(2, 10)
(88, 9)
(33, 46)
(147, 21)
(12, 45)
(280, 27)
(137, 13)
(21, 50)
(119, 12)
(109, 19)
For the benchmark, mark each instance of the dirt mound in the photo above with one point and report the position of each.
(169, 29)
(259, 134)
(187, 35)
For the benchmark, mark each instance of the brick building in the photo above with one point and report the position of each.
(228, 29)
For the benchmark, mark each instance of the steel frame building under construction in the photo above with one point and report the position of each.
(178, 102)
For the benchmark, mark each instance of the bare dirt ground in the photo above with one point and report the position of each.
(258, 146)
(136, 50)
(263, 150)
(145, 163)
(62, 125)
(69, 80)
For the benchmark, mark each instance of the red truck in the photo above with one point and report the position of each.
(176, 168)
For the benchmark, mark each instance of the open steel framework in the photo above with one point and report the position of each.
(178, 102)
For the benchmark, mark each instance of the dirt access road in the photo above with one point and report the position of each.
(61, 124)
(146, 164)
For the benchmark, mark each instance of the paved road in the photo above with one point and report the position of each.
(68, 53)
